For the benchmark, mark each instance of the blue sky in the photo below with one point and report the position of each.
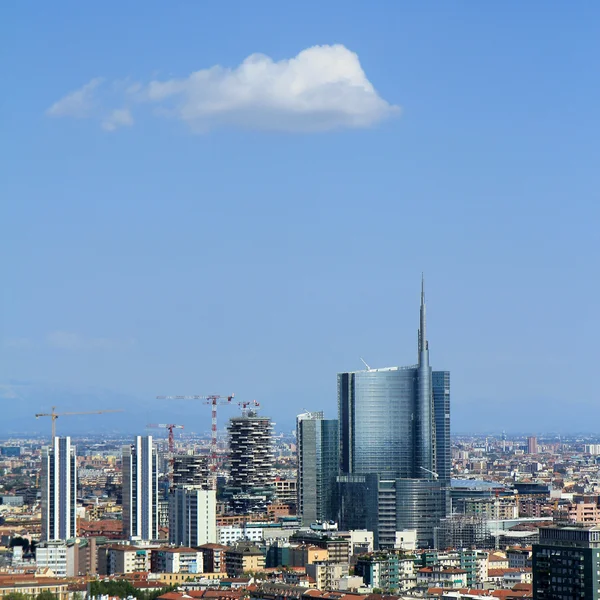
(226, 237)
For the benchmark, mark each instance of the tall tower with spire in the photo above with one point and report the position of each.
(395, 436)
(424, 423)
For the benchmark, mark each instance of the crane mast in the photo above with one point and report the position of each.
(214, 401)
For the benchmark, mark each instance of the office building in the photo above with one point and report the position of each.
(59, 490)
(318, 466)
(566, 563)
(192, 516)
(140, 490)
(440, 385)
(60, 556)
(394, 428)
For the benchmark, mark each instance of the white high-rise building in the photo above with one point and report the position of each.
(59, 490)
(192, 516)
(140, 490)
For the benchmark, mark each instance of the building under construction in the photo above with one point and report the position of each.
(463, 531)
(251, 482)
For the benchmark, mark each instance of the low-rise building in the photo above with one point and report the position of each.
(31, 585)
(213, 557)
(379, 570)
(177, 560)
(519, 558)
(126, 559)
(444, 577)
(326, 574)
(242, 558)
(61, 557)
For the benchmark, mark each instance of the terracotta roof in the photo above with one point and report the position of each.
(442, 571)
(501, 572)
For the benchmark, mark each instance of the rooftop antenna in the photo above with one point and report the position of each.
(364, 363)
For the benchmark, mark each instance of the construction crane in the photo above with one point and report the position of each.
(244, 405)
(170, 427)
(54, 415)
(214, 401)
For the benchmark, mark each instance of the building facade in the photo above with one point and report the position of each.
(251, 483)
(318, 465)
(192, 516)
(59, 490)
(191, 469)
(176, 560)
(566, 563)
(243, 558)
(60, 556)
(140, 490)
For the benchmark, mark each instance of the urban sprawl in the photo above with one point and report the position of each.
(378, 502)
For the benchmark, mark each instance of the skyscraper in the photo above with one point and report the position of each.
(318, 465)
(140, 489)
(252, 462)
(192, 516)
(440, 381)
(59, 490)
(566, 563)
(395, 431)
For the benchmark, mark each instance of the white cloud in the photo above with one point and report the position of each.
(120, 117)
(78, 104)
(322, 88)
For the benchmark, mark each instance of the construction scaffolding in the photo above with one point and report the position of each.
(463, 531)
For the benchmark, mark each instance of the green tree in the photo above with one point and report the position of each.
(46, 596)
(20, 541)
(15, 596)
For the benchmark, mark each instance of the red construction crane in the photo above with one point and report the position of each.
(214, 401)
(170, 427)
(244, 405)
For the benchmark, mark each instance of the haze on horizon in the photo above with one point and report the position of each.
(217, 198)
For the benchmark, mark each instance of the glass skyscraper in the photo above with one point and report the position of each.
(318, 465)
(395, 424)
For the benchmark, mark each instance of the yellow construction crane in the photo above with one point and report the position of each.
(54, 415)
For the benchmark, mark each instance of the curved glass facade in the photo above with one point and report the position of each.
(384, 407)
(420, 504)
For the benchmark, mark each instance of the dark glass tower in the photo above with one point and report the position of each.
(395, 424)
(318, 466)
(441, 409)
